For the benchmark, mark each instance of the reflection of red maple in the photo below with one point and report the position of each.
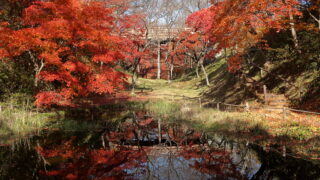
(83, 163)
(145, 122)
(211, 161)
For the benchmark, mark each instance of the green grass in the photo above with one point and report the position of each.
(243, 126)
(224, 87)
(210, 120)
(73, 125)
(205, 118)
(161, 88)
(18, 122)
(162, 107)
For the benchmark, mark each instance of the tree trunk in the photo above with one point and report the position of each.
(225, 54)
(318, 20)
(293, 30)
(197, 70)
(138, 71)
(133, 81)
(169, 77)
(159, 61)
(37, 68)
(315, 18)
(134, 74)
(205, 73)
(171, 71)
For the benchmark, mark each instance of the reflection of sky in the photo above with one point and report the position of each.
(247, 164)
(245, 159)
(168, 166)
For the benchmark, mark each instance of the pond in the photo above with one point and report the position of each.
(143, 147)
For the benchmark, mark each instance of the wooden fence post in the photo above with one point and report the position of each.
(284, 151)
(218, 106)
(265, 93)
(284, 113)
(247, 106)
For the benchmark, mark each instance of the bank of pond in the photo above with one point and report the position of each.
(139, 145)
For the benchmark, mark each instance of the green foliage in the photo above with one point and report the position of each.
(286, 70)
(18, 122)
(298, 131)
(21, 100)
(16, 78)
(163, 107)
(230, 123)
(74, 125)
(18, 117)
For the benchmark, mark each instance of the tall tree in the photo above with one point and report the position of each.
(196, 46)
(313, 8)
(238, 24)
(68, 41)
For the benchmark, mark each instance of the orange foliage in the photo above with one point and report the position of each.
(241, 24)
(83, 163)
(76, 41)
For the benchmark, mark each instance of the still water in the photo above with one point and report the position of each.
(141, 147)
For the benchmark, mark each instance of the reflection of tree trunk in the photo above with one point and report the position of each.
(159, 131)
(101, 66)
(205, 73)
(159, 60)
(103, 143)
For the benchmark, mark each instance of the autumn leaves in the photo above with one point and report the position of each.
(77, 47)
(74, 44)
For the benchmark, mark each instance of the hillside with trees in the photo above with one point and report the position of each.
(105, 75)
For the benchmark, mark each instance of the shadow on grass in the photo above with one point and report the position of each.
(225, 87)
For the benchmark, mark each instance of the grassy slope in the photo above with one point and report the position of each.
(300, 88)
(161, 88)
(226, 87)
(250, 126)
(298, 131)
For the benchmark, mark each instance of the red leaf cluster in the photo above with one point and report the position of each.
(78, 43)
(239, 24)
(67, 161)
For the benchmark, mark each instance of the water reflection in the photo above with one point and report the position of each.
(141, 147)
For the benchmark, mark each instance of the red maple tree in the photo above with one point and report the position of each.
(238, 24)
(73, 46)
